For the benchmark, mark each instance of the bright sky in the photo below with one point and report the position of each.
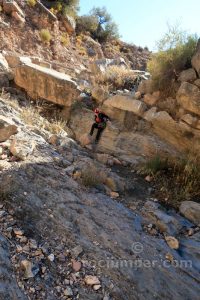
(143, 22)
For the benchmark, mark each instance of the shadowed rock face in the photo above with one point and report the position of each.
(40, 82)
(9, 289)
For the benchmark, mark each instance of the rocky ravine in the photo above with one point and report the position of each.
(60, 232)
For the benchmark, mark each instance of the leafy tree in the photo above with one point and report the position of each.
(99, 23)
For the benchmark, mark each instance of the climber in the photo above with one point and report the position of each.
(100, 123)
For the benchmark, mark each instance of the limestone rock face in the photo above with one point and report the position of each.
(40, 82)
(191, 210)
(188, 97)
(123, 144)
(196, 59)
(187, 75)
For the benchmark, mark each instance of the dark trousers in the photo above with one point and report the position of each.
(99, 132)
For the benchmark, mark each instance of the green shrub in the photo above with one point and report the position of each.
(45, 35)
(99, 24)
(175, 51)
(31, 3)
(155, 164)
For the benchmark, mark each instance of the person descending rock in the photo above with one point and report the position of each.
(100, 124)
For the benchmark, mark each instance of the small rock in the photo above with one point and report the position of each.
(18, 232)
(169, 257)
(68, 292)
(27, 267)
(51, 257)
(76, 251)
(172, 242)
(76, 265)
(114, 195)
(148, 178)
(91, 280)
(96, 287)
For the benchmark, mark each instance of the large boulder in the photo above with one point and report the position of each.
(187, 75)
(48, 84)
(126, 103)
(99, 94)
(188, 97)
(196, 59)
(191, 210)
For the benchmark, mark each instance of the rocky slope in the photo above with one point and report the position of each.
(46, 213)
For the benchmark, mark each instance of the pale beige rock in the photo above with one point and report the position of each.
(189, 119)
(151, 99)
(150, 114)
(187, 75)
(27, 267)
(172, 242)
(138, 95)
(22, 148)
(145, 87)
(40, 82)
(191, 210)
(91, 280)
(99, 94)
(188, 97)
(85, 139)
(126, 103)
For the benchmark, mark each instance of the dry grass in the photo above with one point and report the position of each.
(176, 179)
(117, 78)
(45, 35)
(31, 116)
(92, 176)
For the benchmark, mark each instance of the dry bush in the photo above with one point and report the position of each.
(177, 179)
(65, 40)
(45, 35)
(91, 176)
(117, 78)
